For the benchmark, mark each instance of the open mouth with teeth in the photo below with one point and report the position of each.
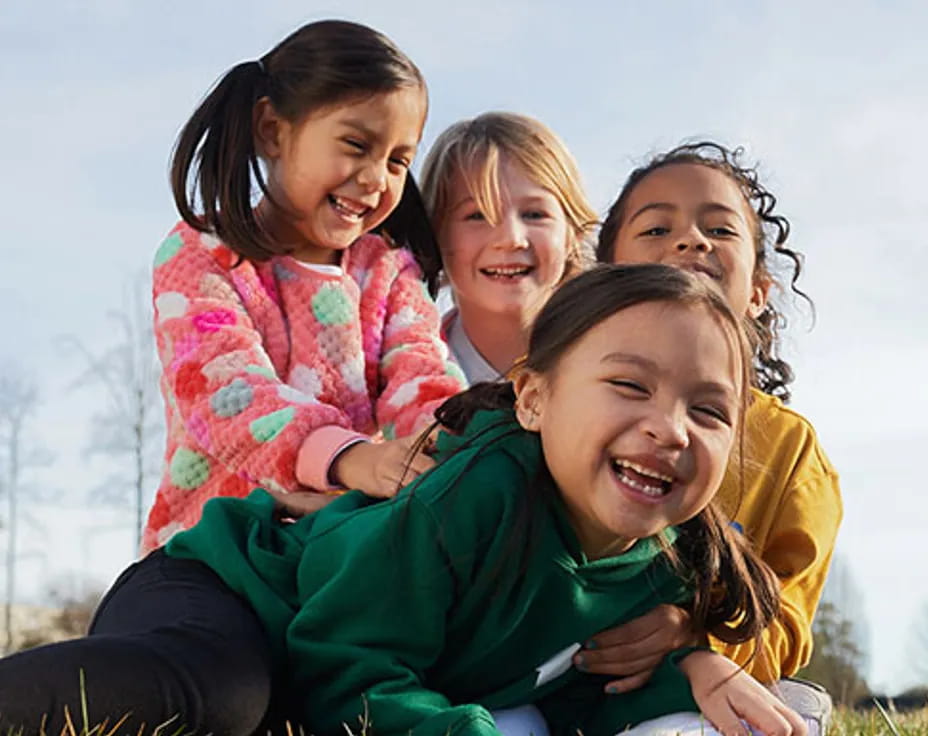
(348, 209)
(506, 273)
(644, 480)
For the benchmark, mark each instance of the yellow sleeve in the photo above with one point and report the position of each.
(798, 547)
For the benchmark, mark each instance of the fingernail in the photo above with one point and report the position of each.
(579, 662)
(590, 644)
(612, 690)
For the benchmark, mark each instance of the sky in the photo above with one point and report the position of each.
(831, 100)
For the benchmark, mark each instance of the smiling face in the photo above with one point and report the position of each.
(637, 420)
(508, 267)
(338, 172)
(694, 217)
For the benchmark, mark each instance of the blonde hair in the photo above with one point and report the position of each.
(474, 148)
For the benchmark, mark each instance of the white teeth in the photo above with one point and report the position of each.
(654, 491)
(347, 208)
(644, 471)
(506, 271)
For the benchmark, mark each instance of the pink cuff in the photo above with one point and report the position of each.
(318, 452)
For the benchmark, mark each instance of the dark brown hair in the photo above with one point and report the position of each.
(771, 230)
(215, 163)
(736, 595)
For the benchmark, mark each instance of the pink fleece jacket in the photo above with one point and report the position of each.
(270, 365)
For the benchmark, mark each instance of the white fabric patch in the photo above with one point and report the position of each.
(168, 531)
(526, 720)
(305, 379)
(224, 367)
(213, 286)
(210, 241)
(353, 373)
(407, 392)
(294, 396)
(557, 665)
(678, 724)
(272, 485)
(170, 304)
(403, 319)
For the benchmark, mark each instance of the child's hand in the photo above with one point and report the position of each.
(727, 695)
(380, 469)
(633, 650)
(299, 503)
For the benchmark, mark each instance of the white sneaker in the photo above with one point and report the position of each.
(808, 699)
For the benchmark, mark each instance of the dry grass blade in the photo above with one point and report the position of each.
(886, 718)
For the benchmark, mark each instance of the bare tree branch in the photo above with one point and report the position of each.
(130, 423)
(18, 402)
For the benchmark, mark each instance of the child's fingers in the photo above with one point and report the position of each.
(726, 721)
(626, 659)
(609, 662)
(408, 470)
(300, 503)
(796, 722)
(420, 463)
(773, 718)
(627, 684)
(665, 621)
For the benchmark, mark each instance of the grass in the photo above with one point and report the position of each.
(846, 722)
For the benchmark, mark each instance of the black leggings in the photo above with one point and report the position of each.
(169, 642)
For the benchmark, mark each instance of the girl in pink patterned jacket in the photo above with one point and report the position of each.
(289, 333)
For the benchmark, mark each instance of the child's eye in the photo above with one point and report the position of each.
(713, 412)
(722, 232)
(355, 144)
(629, 386)
(476, 215)
(655, 231)
(535, 215)
(402, 162)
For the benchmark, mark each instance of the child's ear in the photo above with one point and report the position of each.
(529, 388)
(268, 128)
(760, 290)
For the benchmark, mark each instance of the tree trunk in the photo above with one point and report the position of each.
(12, 481)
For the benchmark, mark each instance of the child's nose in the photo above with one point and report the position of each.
(667, 427)
(373, 177)
(511, 233)
(693, 240)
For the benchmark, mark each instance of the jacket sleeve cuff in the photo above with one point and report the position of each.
(318, 452)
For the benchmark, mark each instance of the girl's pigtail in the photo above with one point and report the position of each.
(408, 226)
(217, 145)
(737, 594)
(455, 414)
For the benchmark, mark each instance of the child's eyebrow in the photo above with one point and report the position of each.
(718, 207)
(662, 206)
(373, 135)
(359, 126)
(469, 199)
(541, 198)
(645, 363)
(669, 207)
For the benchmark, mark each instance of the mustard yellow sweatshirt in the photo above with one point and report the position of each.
(785, 498)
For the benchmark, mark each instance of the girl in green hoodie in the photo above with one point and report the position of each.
(573, 498)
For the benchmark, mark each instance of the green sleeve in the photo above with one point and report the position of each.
(371, 626)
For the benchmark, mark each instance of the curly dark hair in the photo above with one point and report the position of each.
(771, 230)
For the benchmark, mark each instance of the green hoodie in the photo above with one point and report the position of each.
(425, 611)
